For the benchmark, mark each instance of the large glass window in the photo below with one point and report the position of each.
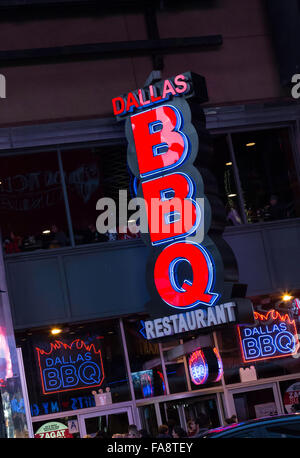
(223, 171)
(68, 371)
(146, 370)
(252, 175)
(32, 209)
(92, 174)
(267, 173)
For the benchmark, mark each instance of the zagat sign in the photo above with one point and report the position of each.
(68, 367)
(273, 336)
(187, 268)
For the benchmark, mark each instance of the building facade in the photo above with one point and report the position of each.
(61, 150)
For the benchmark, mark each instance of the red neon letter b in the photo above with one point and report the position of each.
(159, 143)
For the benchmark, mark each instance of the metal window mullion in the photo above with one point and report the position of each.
(66, 200)
(237, 178)
(186, 370)
(135, 413)
(294, 137)
(227, 403)
(163, 365)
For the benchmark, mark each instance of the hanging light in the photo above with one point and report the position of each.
(55, 331)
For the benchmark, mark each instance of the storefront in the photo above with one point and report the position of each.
(157, 391)
(108, 364)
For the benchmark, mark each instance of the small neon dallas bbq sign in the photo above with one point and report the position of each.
(185, 269)
(68, 367)
(273, 336)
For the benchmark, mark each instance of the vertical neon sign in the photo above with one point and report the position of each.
(162, 147)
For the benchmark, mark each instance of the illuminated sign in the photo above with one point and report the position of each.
(274, 336)
(220, 365)
(53, 430)
(70, 367)
(189, 321)
(198, 367)
(205, 365)
(187, 268)
(144, 98)
(291, 397)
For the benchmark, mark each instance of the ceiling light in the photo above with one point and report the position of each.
(250, 144)
(47, 231)
(232, 195)
(55, 331)
(228, 163)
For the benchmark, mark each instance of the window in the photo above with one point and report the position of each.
(146, 370)
(32, 209)
(54, 372)
(92, 174)
(282, 430)
(250, 176)
(223, 171)
(246, 433)
(267, 174)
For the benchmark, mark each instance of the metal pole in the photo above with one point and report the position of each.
(25, 392)
(237, 178)
(226, 394)
(163, 365)
(135, 413)
(186, 370)
(66, 200)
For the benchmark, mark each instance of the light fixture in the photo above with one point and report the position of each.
(286, 297)
(47, 231)
(232, 195)
(55, 331)
(250, 144)
(228, 163)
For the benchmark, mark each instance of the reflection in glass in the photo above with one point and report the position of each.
(32, 209)
(146, 371)
(222, 168)
(107, 425)
(267, 174)
(92, 174)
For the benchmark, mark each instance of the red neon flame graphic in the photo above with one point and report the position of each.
(273, 315)
(78, 344)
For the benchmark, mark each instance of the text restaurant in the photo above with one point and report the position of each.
(197, 343)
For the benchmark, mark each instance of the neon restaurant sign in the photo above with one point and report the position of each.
(190, 274)
(273, 336)
(68, 367)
